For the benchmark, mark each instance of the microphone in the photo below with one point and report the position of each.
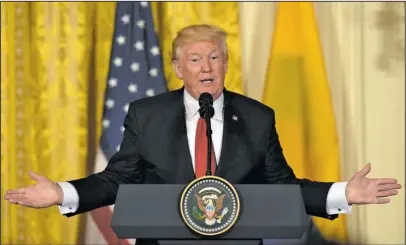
(206, 105)
(206, 111)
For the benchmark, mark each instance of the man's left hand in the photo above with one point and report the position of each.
(363, 190)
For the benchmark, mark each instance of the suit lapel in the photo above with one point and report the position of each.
(176, 126)
(232, 154)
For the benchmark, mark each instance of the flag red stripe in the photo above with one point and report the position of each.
(102, 217)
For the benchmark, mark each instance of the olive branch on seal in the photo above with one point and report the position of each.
(196, 213)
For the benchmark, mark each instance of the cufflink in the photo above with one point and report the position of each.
(235, 118)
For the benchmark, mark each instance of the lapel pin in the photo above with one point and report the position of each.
(235, 118)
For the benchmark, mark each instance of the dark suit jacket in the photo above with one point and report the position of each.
(155, 150)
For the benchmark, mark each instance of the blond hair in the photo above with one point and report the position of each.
(196, 33)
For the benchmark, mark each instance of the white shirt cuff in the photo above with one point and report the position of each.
(337, 201)
(70, 198)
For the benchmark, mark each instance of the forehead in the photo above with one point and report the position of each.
(201, 47)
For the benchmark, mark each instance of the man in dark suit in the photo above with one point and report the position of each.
(160, 140)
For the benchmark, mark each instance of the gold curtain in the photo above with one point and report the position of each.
(297, 89)
(54, 64)
(181, 14)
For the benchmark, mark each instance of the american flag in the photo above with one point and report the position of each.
(135, 69)
(135, 72)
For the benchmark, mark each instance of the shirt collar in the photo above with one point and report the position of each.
(192, 106)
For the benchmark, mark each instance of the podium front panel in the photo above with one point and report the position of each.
(152, 211)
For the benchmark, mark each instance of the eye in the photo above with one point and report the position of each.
(195, 60)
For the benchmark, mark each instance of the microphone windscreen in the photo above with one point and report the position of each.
(205, 98)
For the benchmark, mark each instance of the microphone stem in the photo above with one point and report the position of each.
(209, 143)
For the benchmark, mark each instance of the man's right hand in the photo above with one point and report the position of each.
(43, 194)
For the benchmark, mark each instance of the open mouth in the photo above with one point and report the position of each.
(207, 80)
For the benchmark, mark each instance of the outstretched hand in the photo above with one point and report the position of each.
(363, 190)
(43, 194)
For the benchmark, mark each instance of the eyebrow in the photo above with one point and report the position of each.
(200, 54)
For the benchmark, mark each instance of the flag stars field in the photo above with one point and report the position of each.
(150, 92)
(125, 19)
(132, 88)
(110, 103)
(153, 72)
(155, 51)
(139, 45)
(141, 23)
(135, 72)
(125, 108)
(112, 82)
(118, 61)
(120, 40)
(106, 123)
(135, 66)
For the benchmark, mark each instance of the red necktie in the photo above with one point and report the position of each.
(201, 150)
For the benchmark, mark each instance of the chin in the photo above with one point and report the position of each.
(207, 90)
(215, 92)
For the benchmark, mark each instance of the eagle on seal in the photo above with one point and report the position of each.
(210, 205)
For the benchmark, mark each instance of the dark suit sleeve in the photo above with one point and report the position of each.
(279, 172)
(100, 189)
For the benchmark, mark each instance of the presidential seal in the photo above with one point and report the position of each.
(209, 205)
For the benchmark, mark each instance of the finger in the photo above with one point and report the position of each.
(387, 193)
(382, 200)
(13, 201)
(389, 187)
(16, 191)
(22, 202)
(26, 203)
(16, 196)
(384, 181)
(365, 170)
(34, 176)
(18, 200)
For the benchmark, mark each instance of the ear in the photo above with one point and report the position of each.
(178, 70)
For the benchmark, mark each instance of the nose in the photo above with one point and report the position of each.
(206, 66)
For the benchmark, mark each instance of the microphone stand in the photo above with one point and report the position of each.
(209, 141)
(207, 111)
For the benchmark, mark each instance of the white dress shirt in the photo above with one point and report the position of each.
(336, 200)
(192, 117)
